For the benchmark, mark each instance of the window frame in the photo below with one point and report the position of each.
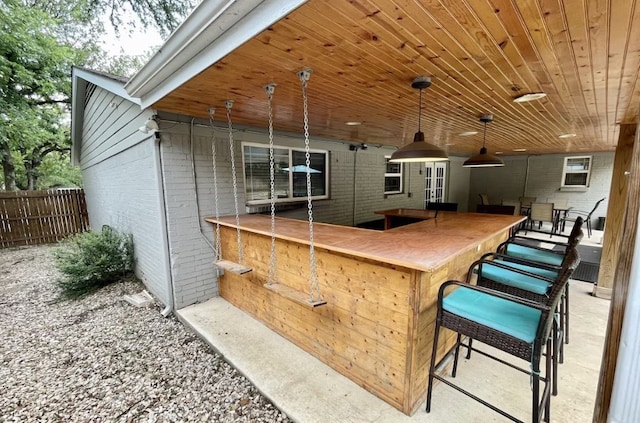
(393, 175)
(290, 198)
(565, 172)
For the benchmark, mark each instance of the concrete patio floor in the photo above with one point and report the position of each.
(309, 391)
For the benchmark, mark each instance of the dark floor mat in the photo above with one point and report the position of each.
(589, 266)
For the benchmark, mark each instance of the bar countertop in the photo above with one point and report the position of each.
(423, 246)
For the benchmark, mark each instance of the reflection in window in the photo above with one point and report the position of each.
(317, 164)
(576, 171)
(256, 170)
(290, 174)
(392, 177)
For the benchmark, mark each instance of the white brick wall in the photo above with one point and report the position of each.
(369, 181)
(121, 184)
(548, 176)
(499, 183)
(458, 183)
(122, 192)
(545, 174)
(192, 257)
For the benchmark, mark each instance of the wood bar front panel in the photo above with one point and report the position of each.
(361, 332)
(377, 326)
(421, 340)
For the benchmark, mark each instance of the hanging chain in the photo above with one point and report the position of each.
(314, 285)
(273, 265)
(229, 104)
(218, 243)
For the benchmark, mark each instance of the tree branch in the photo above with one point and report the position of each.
(59, 149)
(50, 101)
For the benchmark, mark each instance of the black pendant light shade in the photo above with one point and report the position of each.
(419, 150)
(484, 159)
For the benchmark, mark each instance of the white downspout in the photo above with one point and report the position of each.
(159, 170)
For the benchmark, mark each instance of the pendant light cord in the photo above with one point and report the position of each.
(420, 110)
(484, 135)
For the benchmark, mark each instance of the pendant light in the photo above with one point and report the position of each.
(484, 159)
(419, 150)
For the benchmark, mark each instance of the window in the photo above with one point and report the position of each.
(576, 172)
(290, 173)
(392, 177)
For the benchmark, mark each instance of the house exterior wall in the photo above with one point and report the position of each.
(543, 181)
(190, 197)
(458, 183)
(545, 175)
(499, 183)
(354, 196)
(124, 189)
(361, 190)
(121, 184)
(190, 238)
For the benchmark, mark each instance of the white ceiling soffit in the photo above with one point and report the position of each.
(213, 30)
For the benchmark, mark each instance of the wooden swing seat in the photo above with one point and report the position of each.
(232, 267)
(299, 297)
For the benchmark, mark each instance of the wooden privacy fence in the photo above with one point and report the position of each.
(41, 217)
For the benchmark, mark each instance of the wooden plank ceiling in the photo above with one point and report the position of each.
(480, 54)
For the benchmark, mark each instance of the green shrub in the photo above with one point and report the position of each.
(91, 260)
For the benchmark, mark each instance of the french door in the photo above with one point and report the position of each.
(435, 180)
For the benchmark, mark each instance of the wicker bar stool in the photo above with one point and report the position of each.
(523, 234)
(520, 247)
(515, 325)
(533, 282)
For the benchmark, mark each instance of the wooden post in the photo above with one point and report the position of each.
(615, 212)
(620, 287)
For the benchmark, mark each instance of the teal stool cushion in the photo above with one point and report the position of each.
(551, 274)
(502, 315)
(515, 279)
(534, 254)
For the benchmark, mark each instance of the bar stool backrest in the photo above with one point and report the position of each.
(526, 201)
(561, 203)
(541, 212)
(515, 204)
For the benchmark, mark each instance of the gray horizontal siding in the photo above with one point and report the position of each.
(110, 126)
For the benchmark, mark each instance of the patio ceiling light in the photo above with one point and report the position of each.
(525, 98)
(419, 150)
(484, 159)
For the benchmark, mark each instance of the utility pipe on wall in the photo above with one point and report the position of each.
(195, 187)
(355, 156)
(159, 171)
(355, 148)
(526, 177)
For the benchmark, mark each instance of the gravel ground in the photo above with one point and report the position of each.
(100, 359)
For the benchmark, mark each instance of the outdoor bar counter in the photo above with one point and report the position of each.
(380, 287)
